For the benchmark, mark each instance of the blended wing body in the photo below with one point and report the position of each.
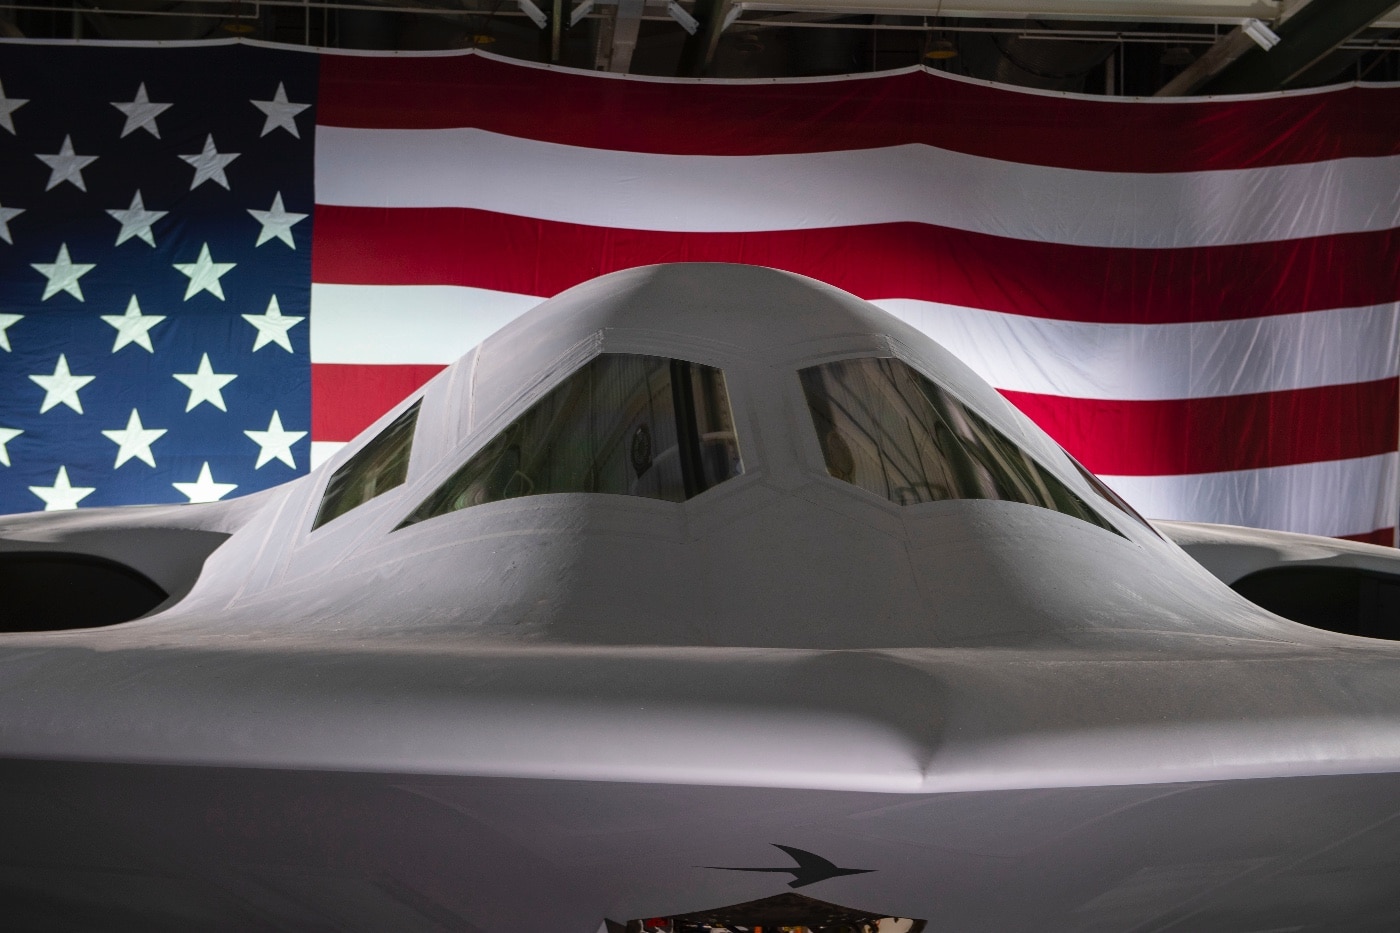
(1341, 586)
(688, 563)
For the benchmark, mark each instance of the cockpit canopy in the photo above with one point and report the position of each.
(662, 428)
(699, 454)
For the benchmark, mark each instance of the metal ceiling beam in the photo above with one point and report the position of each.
(1231, 12)
(699, 49)
(1223, 54)
(626, 24)
(552, 42)
(1215, 60)
(1167, 12)
(1305, 38)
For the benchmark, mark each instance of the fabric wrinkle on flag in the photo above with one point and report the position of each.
(1198, 298)
(130, 372)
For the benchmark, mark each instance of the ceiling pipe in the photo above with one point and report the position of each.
(698, 52)
(1220, 55)
(1223, 12)
(1307, 36)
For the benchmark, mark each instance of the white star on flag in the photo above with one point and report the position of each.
(133, 326)
(273, 326)
(6, 320)
(9, 105)
(134, 440)
(136, 221)
(7, 435)
(210, 164)
(62, 494)
(141, 113)
(277, 222)
(8, 214)
(63, 274)
(205, 385)
(205, 489)
(275, 442)
(204, 274)
(62, 387)
(281, 114)
(66, 165)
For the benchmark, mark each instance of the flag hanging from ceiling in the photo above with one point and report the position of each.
(1198, 298)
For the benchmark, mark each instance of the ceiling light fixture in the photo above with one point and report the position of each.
(236, 24)
(1262, 35)
(941, 50)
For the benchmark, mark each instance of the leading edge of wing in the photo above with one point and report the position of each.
(912, 720)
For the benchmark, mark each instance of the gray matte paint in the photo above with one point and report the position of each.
(1232, 552)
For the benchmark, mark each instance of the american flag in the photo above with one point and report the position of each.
(155, 257)
(1196, 297)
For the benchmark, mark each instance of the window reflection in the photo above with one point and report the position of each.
(376, 468)
(1117, 501)
(886, 428)
(623, 424)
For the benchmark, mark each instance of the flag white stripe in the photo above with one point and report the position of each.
(1335, 497)
(410, 324)
(435, 324)
(321, 451)
(1147, 362)
(473, 168)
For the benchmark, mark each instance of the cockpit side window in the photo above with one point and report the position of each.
(888, 429)
(1117, 501)
(623, 424)
(375, 468)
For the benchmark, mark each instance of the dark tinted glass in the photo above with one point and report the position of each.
(623, 424)
(1118, 502)
(378, 467)
(886, 428)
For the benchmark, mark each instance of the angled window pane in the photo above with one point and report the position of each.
(1117, 501)
(623, 424)
(378, 467)
(886, 428)
(718, 447)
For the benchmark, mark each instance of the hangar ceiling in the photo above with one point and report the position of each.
(1114, 47)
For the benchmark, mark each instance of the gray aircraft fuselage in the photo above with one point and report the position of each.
(466, 704)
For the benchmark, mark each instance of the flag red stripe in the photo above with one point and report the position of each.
(1211, 435)
(761, 117)
(502, 252)
(346, 399)
(1385, 536)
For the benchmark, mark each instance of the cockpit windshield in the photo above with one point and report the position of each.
(381, 465)
(886, 428)
(624, 424)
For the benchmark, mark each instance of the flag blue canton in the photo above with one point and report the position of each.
(155, 265)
